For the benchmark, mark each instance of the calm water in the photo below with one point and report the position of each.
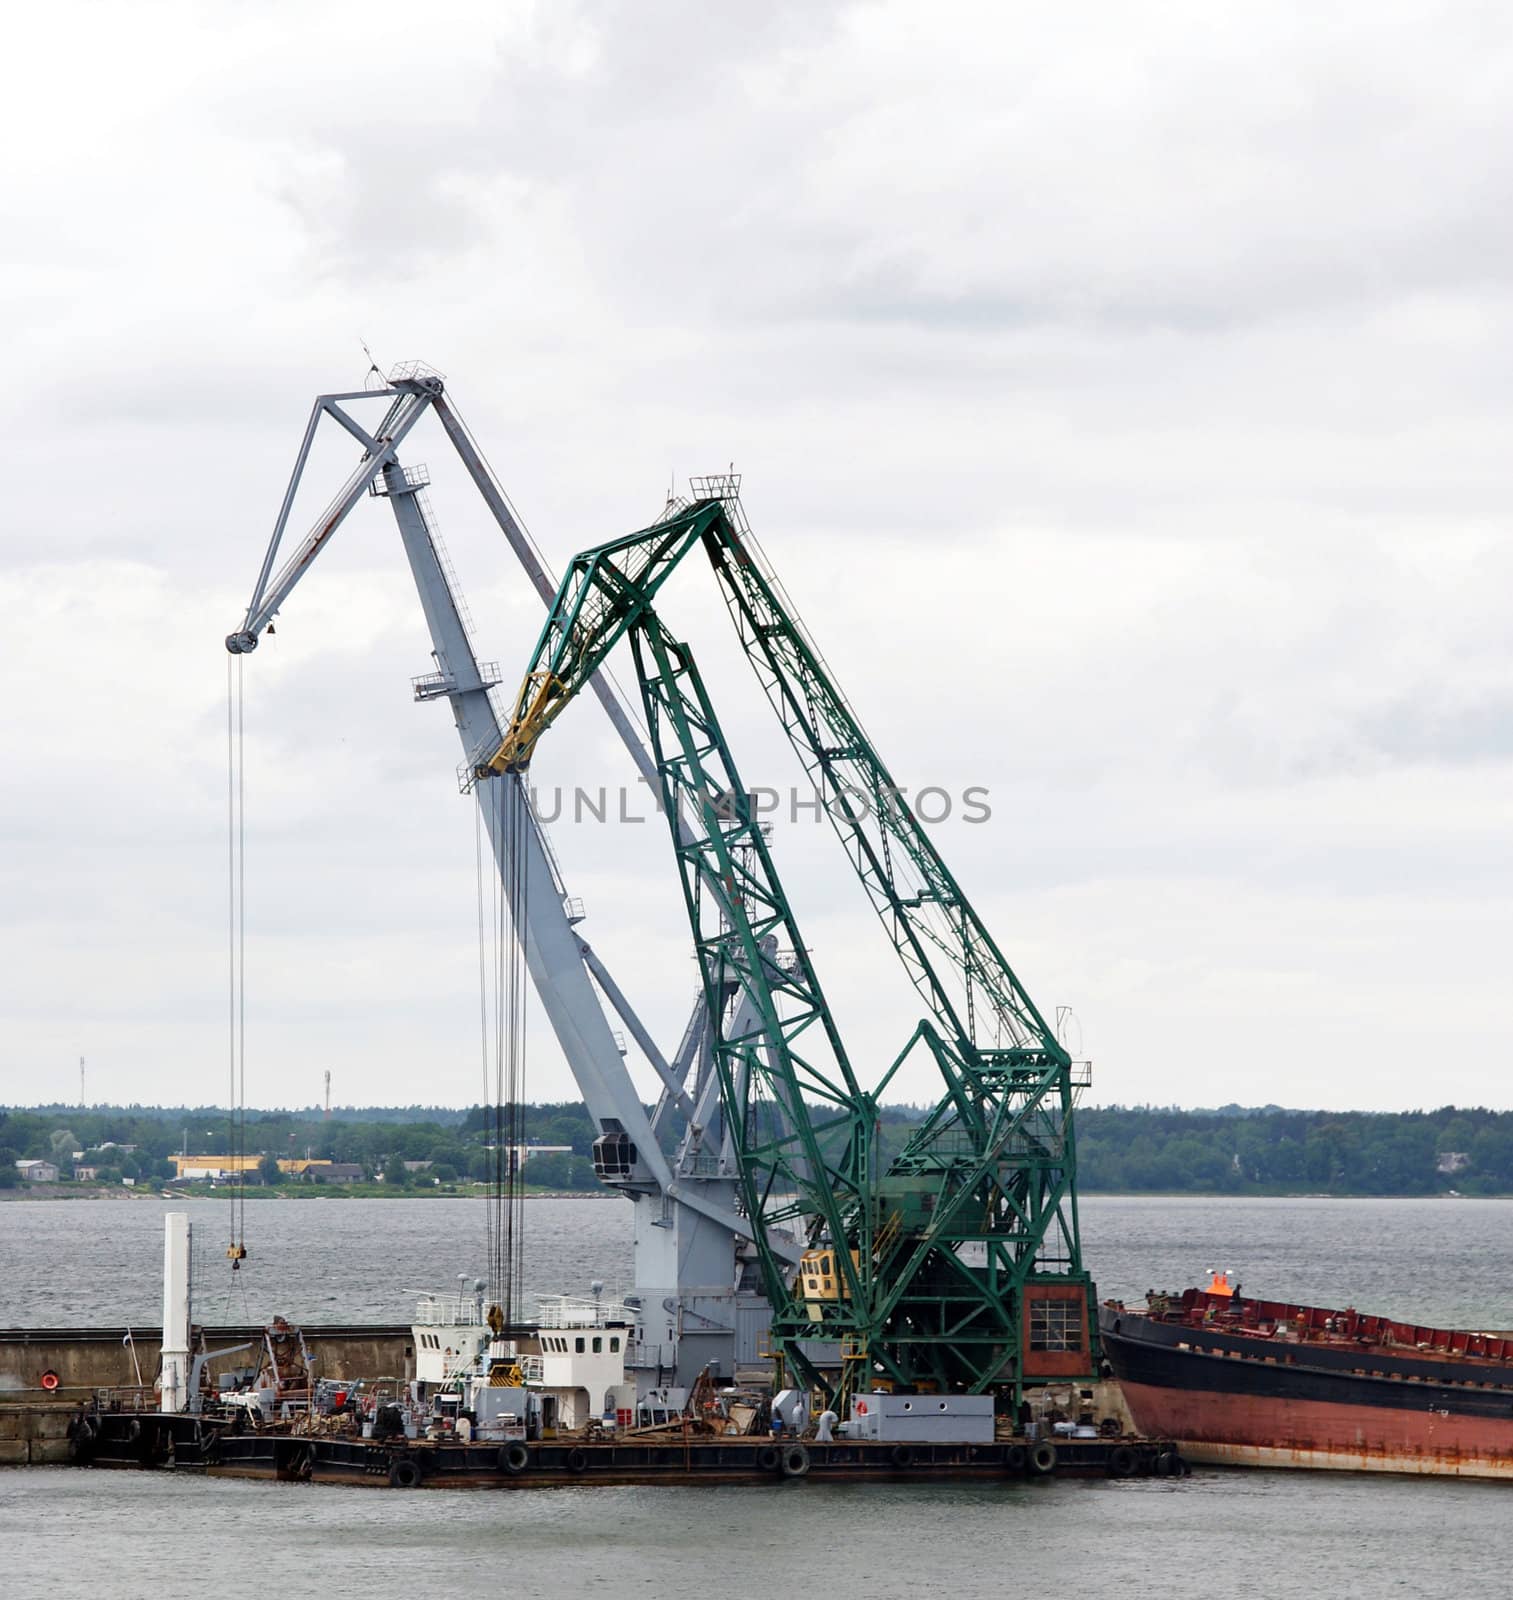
(98, 1262)
(120, 1536)
(123, 1536)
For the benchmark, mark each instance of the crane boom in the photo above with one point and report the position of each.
(695, 1291)
(950, 1264)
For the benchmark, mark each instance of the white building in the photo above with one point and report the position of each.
(37, 1171)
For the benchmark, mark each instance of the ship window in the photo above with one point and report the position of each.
(578, 1346)
(598, 1347)
(614, 1345)
(1055, 1325)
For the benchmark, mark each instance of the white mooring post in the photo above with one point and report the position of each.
(175, 1380)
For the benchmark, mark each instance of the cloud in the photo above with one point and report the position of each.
(1121, 397)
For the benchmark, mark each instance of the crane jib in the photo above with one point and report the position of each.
(939, 1256)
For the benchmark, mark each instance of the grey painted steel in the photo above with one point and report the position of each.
(545, 585)
(268, 595)
(693, 1277)
(627, 1014)
(551, 947)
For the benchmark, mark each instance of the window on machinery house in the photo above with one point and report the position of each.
(1055, 1324)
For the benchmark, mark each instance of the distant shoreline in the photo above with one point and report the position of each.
(55, 1193)
(312, 1192)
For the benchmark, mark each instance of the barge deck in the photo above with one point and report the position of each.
(176, 1442)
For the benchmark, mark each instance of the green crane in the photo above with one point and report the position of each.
(957, 1264)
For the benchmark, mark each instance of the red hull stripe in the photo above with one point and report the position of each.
(1269, 1431)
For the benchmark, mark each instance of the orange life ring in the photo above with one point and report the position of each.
(50, 1380)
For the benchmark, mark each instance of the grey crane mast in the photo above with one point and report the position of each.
(697, 1294)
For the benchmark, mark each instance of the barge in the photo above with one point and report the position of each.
(564, 1400)
(174, 1441)
(1240, 1381)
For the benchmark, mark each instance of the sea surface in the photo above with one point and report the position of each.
(99, 1262)
(1279, 1535)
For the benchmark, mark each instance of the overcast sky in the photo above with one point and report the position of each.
(1122, 392)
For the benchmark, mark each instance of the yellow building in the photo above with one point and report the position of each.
(189, 1168)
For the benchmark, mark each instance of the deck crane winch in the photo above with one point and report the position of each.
(957, 1266)
(697, 1291)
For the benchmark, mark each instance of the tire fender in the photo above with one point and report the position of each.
(1122, 1462)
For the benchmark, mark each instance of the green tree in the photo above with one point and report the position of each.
(394, 1171)
(268, 1170)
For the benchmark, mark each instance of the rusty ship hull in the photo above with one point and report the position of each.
(1269, 1384)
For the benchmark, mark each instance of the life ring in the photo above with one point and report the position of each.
(769, 1458)
(1016, 1458)
(514, 1458)
(795, 1461)
(1122, 1462)
(577, 1459)
(404, 1473)
(901, 1455)
(50, 1380)
(1043, 1459)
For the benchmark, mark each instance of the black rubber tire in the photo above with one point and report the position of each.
(1122, 1462)
(795, 1461)
(577, 1459)
(769, 1458)
(514, 1458)
(134, 1430)
(1043, 1459)
(902, 1455)
(404, 1473)
(1016, 1458)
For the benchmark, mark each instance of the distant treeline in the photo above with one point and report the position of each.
(453, 1142)
(1121, 1149)
(1145, 1149)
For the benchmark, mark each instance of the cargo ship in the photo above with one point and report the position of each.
(1239, 1381)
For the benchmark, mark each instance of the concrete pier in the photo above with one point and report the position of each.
(33, 1435)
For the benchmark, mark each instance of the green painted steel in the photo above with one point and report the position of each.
(936, 1257)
